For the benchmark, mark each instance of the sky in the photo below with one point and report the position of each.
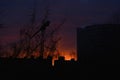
(14, 14)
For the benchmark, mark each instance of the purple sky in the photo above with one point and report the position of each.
(15, 13)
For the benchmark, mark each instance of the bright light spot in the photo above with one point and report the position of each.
(68, 56)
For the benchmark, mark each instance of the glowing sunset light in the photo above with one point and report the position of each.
(22, 55)
(36, 54)
(68, 55)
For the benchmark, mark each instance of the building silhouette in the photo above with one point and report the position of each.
(98, 48)
(99, 44)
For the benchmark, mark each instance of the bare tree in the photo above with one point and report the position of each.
(41, 38)
(26, 44)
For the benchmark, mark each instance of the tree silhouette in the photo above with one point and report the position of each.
(40, 39)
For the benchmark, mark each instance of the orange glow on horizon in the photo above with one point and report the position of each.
(68, 55)
(22, 55)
